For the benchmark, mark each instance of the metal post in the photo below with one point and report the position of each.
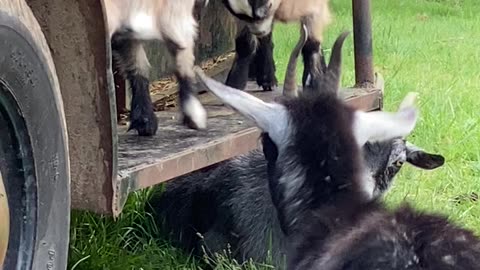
(362, 37)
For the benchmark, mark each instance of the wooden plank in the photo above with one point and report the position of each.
(176, 150)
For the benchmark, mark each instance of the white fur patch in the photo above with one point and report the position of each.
(194, 109)
(241, 7)
(144, 26)
(263, 27)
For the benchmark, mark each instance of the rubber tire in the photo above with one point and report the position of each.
(28, 75)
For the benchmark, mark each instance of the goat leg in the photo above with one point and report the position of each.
(264, 63)
(245, 46)
(131, 60)
(252, 69)
(194, 115)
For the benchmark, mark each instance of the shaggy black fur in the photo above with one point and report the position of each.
(371, 237)
(324, 147)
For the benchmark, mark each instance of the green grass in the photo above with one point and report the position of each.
(428, 46)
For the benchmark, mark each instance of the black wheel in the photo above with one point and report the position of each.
(34, 161)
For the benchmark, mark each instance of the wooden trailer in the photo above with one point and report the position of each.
(61, 144)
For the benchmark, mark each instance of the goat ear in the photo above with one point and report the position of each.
(421, 159)
(269, 117)
(381, 126)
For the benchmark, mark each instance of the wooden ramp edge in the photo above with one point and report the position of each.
(176, 150)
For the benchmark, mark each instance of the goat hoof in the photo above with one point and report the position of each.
(188, 122)
(146, 123)
(268, 83)
(194, 115)
(267, 87)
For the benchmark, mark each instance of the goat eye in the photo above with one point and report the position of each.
(399, 163)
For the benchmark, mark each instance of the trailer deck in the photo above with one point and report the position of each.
(177, 150)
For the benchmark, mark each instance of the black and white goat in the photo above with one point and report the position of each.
(317, 183)
(230, 203)
(130, 23)
(254, 46)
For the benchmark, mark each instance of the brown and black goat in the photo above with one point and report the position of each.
(254, 46)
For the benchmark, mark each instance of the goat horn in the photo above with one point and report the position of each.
(334, 69)
(290, 82)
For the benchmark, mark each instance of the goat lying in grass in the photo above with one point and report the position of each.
(130, 23)
(254, 46)
(230, 202)
(316, 178)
